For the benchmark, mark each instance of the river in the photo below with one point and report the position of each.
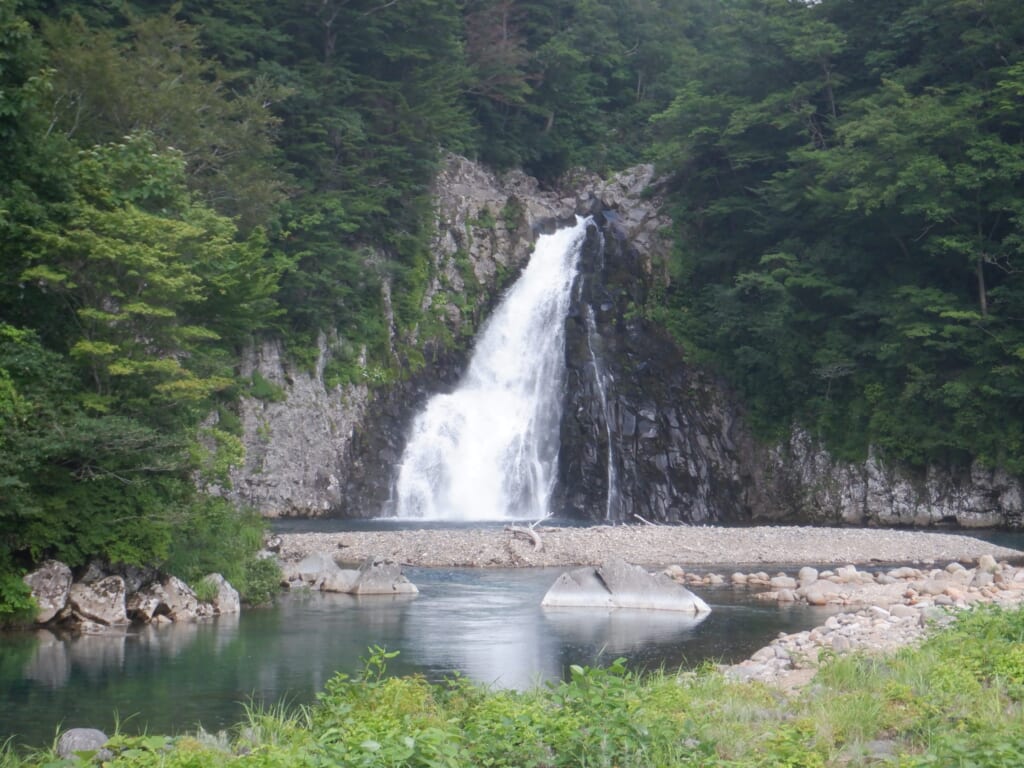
(485, 624)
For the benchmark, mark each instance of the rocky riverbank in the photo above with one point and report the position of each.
(644, 545)
(884, 610)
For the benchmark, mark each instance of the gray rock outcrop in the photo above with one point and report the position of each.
(227, 599)
(617, 584)
(802, 479)
(381, 576)
(50, 584)
(101, 602)
(172, 598)
(298, 448)
(375, 576)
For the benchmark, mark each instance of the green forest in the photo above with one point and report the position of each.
(846, 179)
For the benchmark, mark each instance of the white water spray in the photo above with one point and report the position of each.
(488, 450)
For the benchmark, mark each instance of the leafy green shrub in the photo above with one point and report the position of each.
(16, 603)
(205, 589)
(261, 580)
(262, 389)
(221, 538)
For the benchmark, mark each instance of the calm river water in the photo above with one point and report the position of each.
(486, 624)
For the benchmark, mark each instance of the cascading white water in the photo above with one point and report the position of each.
(488, 450)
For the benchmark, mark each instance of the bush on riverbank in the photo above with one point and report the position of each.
(956, 700)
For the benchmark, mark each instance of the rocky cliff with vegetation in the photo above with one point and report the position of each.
(646, 434)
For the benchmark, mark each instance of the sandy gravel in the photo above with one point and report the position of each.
(647, 545)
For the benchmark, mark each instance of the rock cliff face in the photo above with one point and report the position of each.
(643, 434)
(646, 436)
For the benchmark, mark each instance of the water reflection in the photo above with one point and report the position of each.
(486, 625)
(621, 631)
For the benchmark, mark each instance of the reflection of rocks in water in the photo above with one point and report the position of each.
(50, 664)
(96, 653)
(168, 639)
(621, 630)
(383, 614)
(225, 630)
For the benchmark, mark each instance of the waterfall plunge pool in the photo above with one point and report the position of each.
(484, 624)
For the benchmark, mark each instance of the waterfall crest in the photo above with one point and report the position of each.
(488, 450)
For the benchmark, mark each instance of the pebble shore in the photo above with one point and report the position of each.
(649, 545)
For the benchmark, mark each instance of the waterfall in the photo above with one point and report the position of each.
(488, 450)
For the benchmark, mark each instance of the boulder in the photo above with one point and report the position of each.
(76, 740)
(783, 582)
(581, 587)
(172, 598)
(342, 580)
(380, 576)
(820, 592)
(226, 600)
(101, 602)
(807, 576)
(312, 570)
(50, 584)
(618, 584)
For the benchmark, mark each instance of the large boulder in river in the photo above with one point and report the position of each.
(618, 584)
(380, 576)
(50, 584)
(100, 602)
(318, 570)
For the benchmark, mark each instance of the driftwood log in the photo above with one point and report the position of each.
(518, 532)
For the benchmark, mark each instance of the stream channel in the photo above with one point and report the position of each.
(484, 624)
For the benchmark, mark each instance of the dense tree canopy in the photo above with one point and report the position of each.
(846, 176)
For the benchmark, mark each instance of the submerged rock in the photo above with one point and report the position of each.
(617, 584)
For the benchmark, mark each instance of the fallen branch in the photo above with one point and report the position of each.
(647, 522)
(526, 533)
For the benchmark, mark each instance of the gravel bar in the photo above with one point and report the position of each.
(651, 545)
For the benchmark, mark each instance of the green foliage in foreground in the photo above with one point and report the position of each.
(956, 700)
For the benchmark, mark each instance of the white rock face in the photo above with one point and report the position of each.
(102, 602)
(50, 584)
(172, 598)
(227, 599)
(617, 584)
